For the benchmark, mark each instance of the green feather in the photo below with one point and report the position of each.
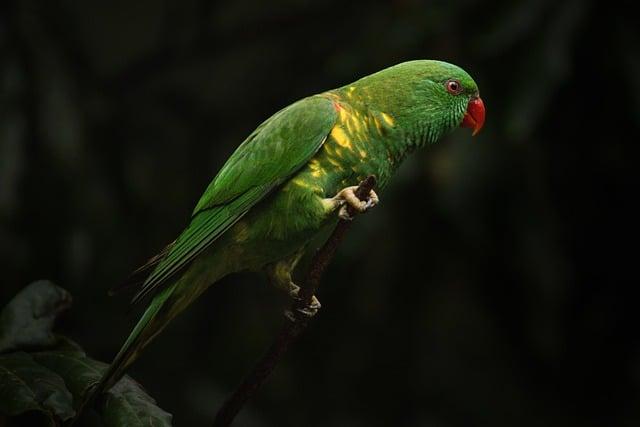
(270, 155)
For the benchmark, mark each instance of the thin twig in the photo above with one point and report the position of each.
(293, 325)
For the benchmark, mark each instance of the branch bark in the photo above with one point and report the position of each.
(293, 325)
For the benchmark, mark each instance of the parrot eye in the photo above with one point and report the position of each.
(453, 87)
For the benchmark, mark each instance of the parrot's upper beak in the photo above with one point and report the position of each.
(474, 116)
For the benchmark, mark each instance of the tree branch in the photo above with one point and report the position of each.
(293, 325)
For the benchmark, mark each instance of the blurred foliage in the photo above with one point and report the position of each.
(47, 385)
(502, 292)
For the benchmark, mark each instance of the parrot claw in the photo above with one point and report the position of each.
(304, 313)
(307, 312)
(347, 198)
(344, 214)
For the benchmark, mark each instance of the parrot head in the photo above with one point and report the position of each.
(429, 98)
(458, 96)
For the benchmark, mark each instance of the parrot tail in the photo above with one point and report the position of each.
(137, 278)
(163, 307)
(159, 313)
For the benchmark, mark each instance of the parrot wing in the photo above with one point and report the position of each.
(269, 156)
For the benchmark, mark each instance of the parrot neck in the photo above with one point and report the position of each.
(403, 121)
(402, 125)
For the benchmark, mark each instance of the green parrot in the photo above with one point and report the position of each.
(292, 178)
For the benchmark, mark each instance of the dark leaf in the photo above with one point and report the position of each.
(26, 385)
(125, 404)
(128, 404)
(66, 344)
(27, 320)
(78, 371)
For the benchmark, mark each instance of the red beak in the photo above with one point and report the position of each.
(474, 116)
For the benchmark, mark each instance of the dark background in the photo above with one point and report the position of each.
(491, 287)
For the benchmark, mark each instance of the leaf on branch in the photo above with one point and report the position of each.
(78, 371)
(56, 375)
(26, 386)
(125, 404)
(128, 404)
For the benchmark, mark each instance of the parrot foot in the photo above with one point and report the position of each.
(347, 197)
(309, 311)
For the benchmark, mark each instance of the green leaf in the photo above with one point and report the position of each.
(66, 344)
(128, 404)
(27, 320)
(26, 386)
(57, 378)
(125, 404)
(78, 371)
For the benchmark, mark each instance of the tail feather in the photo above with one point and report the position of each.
(163, 307)
(137, 278)
(150, 324)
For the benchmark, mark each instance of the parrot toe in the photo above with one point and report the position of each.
(306, 312)
(315, 303)
(351, 203)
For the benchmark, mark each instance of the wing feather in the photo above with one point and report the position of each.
(267, 158)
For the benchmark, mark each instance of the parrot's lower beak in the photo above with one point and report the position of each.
(474, 116)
